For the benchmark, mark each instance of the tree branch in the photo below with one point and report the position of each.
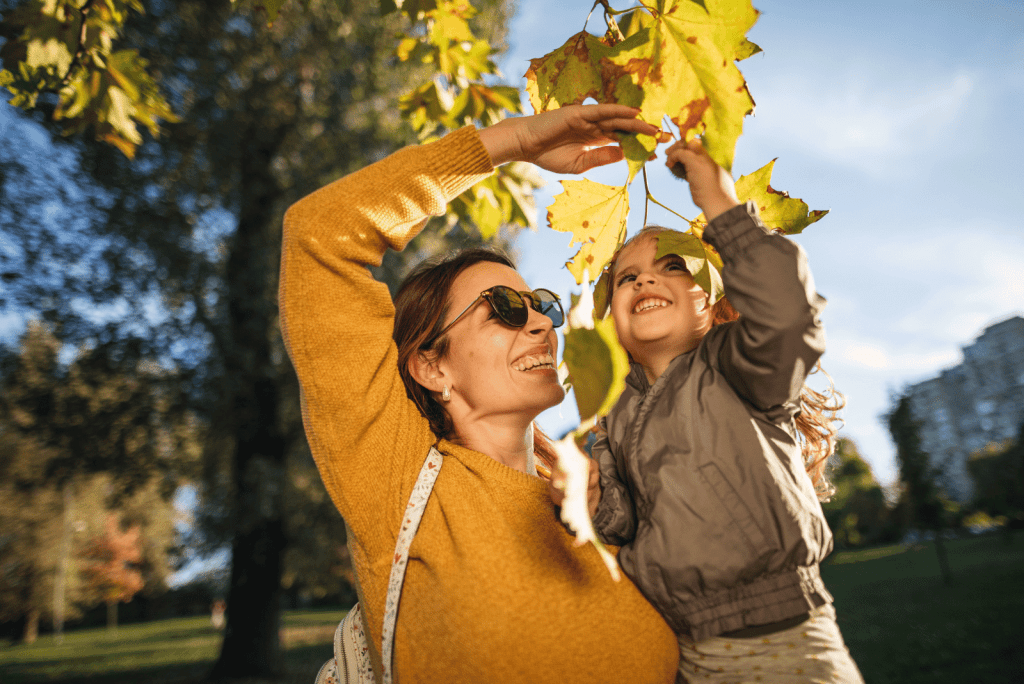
(76, 61)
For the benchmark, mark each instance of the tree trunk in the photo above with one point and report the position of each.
(251, 646)
(940, 550)
(31, 627)
(60, 584)
(111, 616)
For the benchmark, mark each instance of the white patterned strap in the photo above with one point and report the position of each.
(413, 513)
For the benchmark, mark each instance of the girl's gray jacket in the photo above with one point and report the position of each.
(703, 481)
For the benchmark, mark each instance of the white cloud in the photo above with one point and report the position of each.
(889, 356)
(872, 123)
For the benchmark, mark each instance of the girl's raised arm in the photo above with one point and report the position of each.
(768, 353)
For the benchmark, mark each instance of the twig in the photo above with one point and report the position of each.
(76, 61)
(647, 196)
(651, 197)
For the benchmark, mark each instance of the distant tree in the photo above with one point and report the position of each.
(76, 443)
(111, 567)
(998, 474)
(857, 511)
(922, 501)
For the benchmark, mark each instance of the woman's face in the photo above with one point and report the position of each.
(496, 369)
(658, 309)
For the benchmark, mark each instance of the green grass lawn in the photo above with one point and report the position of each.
(901, 624)
(178, 651)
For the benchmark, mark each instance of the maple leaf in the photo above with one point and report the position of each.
(581, 68)
(598, 366)
(777, 209)
(595, 214)
(702, 261)
(680, 63)
(691, 75)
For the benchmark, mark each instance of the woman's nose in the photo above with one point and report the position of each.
(538, 323)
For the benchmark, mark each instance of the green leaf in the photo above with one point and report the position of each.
(601, 291)
(777, 209)
(637, 149)
(701, 260)
(271, 7)
(598, 366)
(595, 214)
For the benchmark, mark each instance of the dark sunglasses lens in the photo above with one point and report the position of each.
(546, 302)
(509, 306)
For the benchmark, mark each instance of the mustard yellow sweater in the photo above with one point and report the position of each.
(495, 590)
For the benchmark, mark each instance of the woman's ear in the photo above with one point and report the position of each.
(425, 370)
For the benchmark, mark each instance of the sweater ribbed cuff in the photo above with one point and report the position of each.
(459, 161)
(733, 231)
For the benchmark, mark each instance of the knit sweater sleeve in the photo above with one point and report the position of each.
(366, 435)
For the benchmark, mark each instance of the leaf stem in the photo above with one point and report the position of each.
(76, 61)
(647, 197)
(669, 209)
(615, 12)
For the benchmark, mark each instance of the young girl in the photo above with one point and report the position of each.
(710, 461)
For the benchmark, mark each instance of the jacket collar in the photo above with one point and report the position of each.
(637, 379)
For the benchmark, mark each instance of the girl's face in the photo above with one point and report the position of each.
(496, 369)
(659, 311)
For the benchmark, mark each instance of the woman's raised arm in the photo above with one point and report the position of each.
(337, 320)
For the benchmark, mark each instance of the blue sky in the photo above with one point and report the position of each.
(903, 118)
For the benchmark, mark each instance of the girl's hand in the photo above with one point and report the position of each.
(571, 139)
(556, 487)
(711, 186)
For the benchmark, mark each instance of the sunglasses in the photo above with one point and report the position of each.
(511, 306)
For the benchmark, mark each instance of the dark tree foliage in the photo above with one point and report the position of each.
(857, 512)
(177, 257)
(998, 474)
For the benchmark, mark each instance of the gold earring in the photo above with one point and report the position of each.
(445, 394)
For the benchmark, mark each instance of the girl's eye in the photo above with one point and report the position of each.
(628, 278)
(677, 266)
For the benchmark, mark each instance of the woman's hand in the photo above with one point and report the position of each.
(556, 487)
(571, 139)
(711, 186)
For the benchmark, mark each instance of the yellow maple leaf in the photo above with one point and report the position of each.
(777, 209)
(595, 214)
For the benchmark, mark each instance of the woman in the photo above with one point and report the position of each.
(495, 589)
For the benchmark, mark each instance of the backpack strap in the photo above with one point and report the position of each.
(410, 523)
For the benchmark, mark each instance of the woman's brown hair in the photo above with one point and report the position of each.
(421, 307)
(818, 421)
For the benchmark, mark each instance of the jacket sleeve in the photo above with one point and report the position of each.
(615, 520)
(768, 353)
(337, 321)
